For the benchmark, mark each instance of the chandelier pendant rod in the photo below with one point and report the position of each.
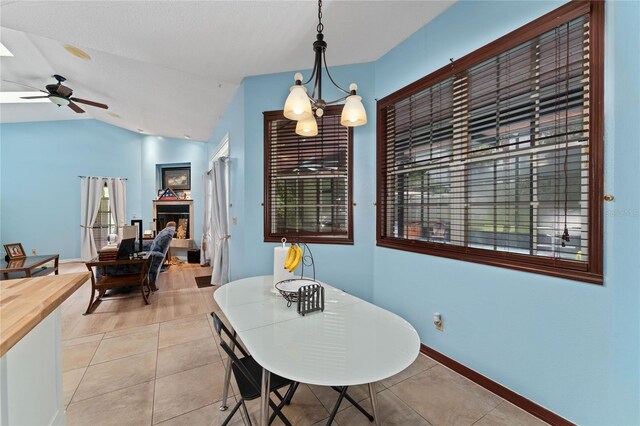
(304, 107)
(326, 67)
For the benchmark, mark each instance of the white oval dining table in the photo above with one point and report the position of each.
(351, 342)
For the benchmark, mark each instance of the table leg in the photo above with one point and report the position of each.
(374, 402)
(264, 397)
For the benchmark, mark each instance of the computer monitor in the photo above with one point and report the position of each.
(126, 248)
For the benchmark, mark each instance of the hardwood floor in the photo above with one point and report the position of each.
(134, 364)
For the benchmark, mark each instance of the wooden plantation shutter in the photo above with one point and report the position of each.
(308, 180)
(497, 158)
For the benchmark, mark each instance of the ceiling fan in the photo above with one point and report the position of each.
(61, 95)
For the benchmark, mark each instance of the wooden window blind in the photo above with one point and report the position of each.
(307, 181)
(497, 158)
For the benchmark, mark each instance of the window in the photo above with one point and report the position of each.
(307, 181)
(104, 224)
(497, 158)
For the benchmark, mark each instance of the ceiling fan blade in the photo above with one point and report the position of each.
(33, 97)
(76, 108)
(92, 103)
(26, 85)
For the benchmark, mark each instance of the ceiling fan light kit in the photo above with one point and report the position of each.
(58, 100)
(302, 107)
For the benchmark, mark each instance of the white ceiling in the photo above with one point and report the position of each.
(171, 67)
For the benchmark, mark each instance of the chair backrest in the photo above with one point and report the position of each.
(221, 328)
(160, 245)
(163, 240)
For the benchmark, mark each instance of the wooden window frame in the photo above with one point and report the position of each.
(308, 237)
(591, 271)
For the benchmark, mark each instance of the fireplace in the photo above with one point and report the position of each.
(180, 212)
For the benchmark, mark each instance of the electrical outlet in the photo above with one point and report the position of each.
(234, 220)
(33, 251)
(437, 321)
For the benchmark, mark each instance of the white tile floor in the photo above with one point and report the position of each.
(131, 364)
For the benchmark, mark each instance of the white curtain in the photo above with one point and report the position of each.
(90, 194)
(206, 246)
(219, 224)
(117, 202)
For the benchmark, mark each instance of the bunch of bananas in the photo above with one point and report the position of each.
(294, 257)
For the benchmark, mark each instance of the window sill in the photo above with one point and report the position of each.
(553, 267)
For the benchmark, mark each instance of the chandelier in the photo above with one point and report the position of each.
(304, 108)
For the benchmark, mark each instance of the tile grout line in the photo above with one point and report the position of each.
(405, 402)
(117, 358)
(83, 374)
(155, 377)
(114, 390)
(488, 412)
(231, 395)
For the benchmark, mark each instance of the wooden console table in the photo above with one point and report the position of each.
(28, 266)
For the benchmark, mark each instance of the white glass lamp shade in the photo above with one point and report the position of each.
(353, 113)
(60, 101)
(307, 127)
(297, 106)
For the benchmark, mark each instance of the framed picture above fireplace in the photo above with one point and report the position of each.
(176, 177)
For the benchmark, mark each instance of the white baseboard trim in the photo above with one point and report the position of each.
(78, 260)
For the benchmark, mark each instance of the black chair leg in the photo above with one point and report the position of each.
(353, 402)
(292, 390)
(245, 413)
(230, 416)
(359, 407)
(343, 392)
(278, 412)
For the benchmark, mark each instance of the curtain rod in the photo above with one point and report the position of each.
(100, 177)
(224, 158)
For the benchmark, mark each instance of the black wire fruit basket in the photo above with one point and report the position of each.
(289, 289)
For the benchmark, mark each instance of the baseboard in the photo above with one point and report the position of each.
(78, 260)
(503, 392)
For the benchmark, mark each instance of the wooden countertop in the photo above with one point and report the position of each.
(27, 301)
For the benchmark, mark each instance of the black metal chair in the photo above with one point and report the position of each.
(248, 373)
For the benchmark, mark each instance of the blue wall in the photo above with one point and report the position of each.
(569, 346)
(39, 167)
(159, 150)
(348, 267)
(40, 191)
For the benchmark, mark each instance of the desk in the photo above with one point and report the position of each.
(28, 264)
(352, 342)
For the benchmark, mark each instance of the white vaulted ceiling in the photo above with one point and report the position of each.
(171, 67)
